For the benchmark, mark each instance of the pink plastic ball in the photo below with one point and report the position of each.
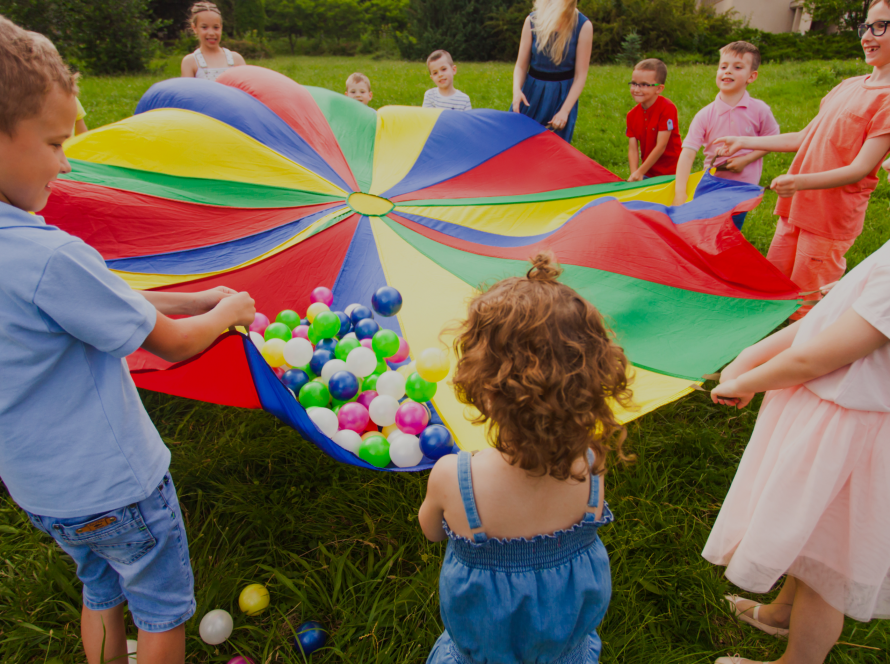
(301, 332)
(279, 371)
(401, 354)
(260, 323)
(322, 294)
(367, 343)
(240, 659)
(365, 398)
(412, 417)
(353, 416)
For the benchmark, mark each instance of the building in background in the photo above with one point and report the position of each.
(766, 15)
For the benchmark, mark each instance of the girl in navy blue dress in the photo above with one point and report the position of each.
(525, 576)
(551, 69)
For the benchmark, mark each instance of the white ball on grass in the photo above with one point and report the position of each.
(405, 451)
(348, 439)
(325, 420)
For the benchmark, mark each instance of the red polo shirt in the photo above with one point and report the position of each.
(644, 125)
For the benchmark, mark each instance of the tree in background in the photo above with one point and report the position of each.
(461, 27)
(845, 14)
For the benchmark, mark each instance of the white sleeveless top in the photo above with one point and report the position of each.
(210, 73)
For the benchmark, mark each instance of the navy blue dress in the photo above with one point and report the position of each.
(547, 85)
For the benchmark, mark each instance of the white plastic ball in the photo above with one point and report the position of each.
(348, 310)
(257, 340)
(330, 368)
(325, 420)
(361, 362)
(383, 410)
(391, 384)
(349, 335)
(348, 440)
(216, 627)
(393, 435)
(405, 451)
(298, 352)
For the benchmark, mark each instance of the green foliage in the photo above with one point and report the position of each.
(241, 16)
(631, 49)
(458, 26)
(846, 14)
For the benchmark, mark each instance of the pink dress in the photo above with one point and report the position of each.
(811, 497)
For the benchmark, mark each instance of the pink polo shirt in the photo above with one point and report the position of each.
(750, 117)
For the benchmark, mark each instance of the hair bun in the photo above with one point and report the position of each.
(544, 268)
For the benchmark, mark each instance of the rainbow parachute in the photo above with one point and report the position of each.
(264, 185)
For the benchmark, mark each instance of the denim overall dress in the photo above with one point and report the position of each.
(523, 601)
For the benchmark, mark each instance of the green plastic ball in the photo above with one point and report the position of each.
(278, 331)
(337, 402)
(419, 389)
(370, 382)
(314, 394)
(314, 336)
(309, 371)
(381, 367)
(289, 317)
(375, 450)
(345, 347)
(385, 344)
(327, 324)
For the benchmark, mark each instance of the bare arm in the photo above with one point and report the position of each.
(660, 145)
(520, 71)
(443, 478)
(187, 304)
(738, 164)
(633, 154)
(790, 142)
(684, 168)
(238, 59)
(189, 67)
(846, 340)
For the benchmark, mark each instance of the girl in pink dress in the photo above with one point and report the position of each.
(811, 498)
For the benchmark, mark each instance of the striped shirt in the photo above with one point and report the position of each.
(459, 101)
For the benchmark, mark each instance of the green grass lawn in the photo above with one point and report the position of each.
(342, 545)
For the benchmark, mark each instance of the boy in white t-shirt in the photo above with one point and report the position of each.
(444, 95)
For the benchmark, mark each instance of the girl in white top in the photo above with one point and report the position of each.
(811, 497)
(210, 60)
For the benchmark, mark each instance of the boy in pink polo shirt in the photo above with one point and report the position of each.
(733, 113)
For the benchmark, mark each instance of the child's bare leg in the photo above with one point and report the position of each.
(815, 628)
(778, 612)
(107, 624)
(161, 647)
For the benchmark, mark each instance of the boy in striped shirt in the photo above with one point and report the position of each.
(444, 95)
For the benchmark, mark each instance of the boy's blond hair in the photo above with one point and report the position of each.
(358, 77)
(742, 47)
(656, 65)
(29, 66)
(435, 55)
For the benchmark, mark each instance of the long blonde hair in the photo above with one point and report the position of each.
(554, 24)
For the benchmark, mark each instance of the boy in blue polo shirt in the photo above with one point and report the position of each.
(78, 452)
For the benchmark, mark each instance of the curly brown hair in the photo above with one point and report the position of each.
(537, 361)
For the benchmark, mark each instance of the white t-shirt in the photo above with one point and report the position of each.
(864, 384)
(459, 101)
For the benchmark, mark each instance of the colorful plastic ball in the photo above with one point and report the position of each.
(308, 370)
(405, 451)
(361, 362)
(314, 309)
(297, 352)
(412, 418)
(279, 371)
(406, 370)
(366, 397)
(322, 294)
(372, 427)
(289, 317)
(386, 344)
(260, 323)
(294, 379)
(360, 312)
(366, 328)
(305, 321)
(386, 431)
(402, 354)
(345, 324)
(353, 416)
(216, 627)
(381, 368)
(369, 383)
(325, 420)
(330, 368)
(257, 340)
(273, 352)
(301, 332)
(327, 323)
(343, 385)
(319, 359)
(375, 450)
(436, 441)
(345, 347)
(387, 301)
(368, 343)
(314, 395)
(370, 431)
(383, 410)
(433, 365)
(327, 344)
(391, 384)
(348, 439)
(278, 331)
(240, 659)
(349, 335)
(419, 389)
(314, 335)
(310, 637)
(254, 599)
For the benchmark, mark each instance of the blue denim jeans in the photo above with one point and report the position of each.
(136, 554)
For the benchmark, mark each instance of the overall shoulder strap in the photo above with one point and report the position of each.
(229, 59)
(465, 482)
(199, 58)
(594, 499)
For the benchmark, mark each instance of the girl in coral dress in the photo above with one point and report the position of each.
(811, 498)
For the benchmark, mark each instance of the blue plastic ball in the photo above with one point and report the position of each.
(345, 324)
(310, 637)
(305, 321)
(326, 344)
(319, 359)
(436, 441)
(295, 379)
(387, 301)
(366, 328)
(343, 385)
(360, 313)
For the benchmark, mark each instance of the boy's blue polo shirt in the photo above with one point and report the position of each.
(75, 439)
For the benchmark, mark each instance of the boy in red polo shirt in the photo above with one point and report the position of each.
(652, 125)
